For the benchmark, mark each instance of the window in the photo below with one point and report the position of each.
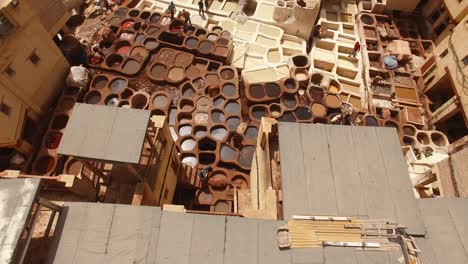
(5, 26)
(5, 109)
(465, 61)
(34, 58)
(443, 54)
(9, 71)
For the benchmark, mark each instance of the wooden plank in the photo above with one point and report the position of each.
(375, 192)
(241, 241)
(406, 209)
(318, 171)
(268, 250)
(345, 172)
(174, 240)
(207, 239)
(295, 200)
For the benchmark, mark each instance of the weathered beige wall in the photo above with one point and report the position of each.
(33, 86)
(53, 14)
(446, 65)
(457, 9)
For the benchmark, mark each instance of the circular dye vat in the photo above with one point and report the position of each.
(183, 60)
(227, 74)
(289, 101)
(188, 90)
(288, 117)
(139, 38)
(226, 34)
(218, 102)
(211, 78)
(218, 181)
(141, 52)
(368, 20)
(272, 90)
(232, 107)
(371, 121)
(176, 74)
(318, 110)
(158, 71)
(228, 153)
(409, 130)
(334, 87)
(206, 144)
(112, 100)
(152, 30)
(150, 43)
(60, 122)
(332, 101)
(229, 89)
(206, 47)
(257, 91)
(124, 49)
(200, 132)
(217, 116)
(44, 165)
(134, 13)
(93, 97)
(222, 41)
(160, 101)
(145, 15)
(275, 110)
(115, 21)
(139, 101)
(131, 66)
(219, 133)
(127, 93)
(290, 84)
(99, 82)
(201, 118)
(246, 155)
(439, 139)
(118, 85)
(188, 144)
(259, 111)
(233, 122)
(127, 24)
(191, 43)
(221, 51)
(53, 139)
(114, 60)
(186, 105)
(240, 182)
(251, 133)
(155, 17)
(212, 37)
(303, 113)
(300, 60)
(185, 130)
(190, 160)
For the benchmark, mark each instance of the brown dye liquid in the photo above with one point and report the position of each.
(318, 110)
(131, 67)
(303, 113)
(272, 90)
(158, 71)
(229, 89)
(227, 74)
(221, 51)
(332, 101)
(256, 91)
(211, 78)
(176, 74)
(232, 108)
(233, 123)
(117, 85)
(139, 52)
(218, 117)
(227, 153)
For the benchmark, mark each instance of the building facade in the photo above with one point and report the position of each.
(32, 68)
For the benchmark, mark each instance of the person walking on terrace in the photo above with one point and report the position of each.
(172, 10)
(357, 48)
(201, 11)
(186, 16)
(206, 5)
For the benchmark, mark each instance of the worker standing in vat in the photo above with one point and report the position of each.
(357, 48)
(186, 16)
(172, 10)
(201, 11)
(204, 174)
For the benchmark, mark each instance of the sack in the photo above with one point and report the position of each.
(78, 77)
